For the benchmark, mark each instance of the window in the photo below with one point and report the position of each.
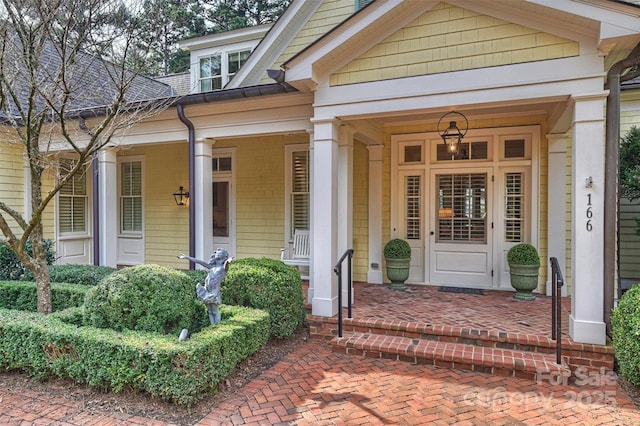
(462, 207)
(236, 60)
(413, 201)
(297, 189)
(210, 73)
(217, 70)
(72, 201)
(466, 151)
(131, 197)
(362, 3)
(514, 207)
(221, 172)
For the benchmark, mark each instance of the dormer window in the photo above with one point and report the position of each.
(217, 70)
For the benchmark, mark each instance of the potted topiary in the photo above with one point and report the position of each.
(397, 254)
(524, 263)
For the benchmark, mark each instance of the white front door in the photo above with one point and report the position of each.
(223, 202)
(461, 234)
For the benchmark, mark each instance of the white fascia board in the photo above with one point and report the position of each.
(514, 83)
(626, 18)
(377, 21)
(511, 12)
(225, 38)
(274, 43)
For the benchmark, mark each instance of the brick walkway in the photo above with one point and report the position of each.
(314, 386)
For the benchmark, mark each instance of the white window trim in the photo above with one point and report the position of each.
(130, 159)
(223, 52)
(88, 212)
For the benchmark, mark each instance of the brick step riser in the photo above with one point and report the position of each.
(576, 356)
(486, 342)
(438, 362)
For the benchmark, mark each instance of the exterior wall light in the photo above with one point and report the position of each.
(181, 196)
(452, 135)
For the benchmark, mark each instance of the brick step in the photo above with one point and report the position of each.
(498, 361)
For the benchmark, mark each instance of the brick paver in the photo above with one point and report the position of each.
(314, 386)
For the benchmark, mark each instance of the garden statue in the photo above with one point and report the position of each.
(209, 294)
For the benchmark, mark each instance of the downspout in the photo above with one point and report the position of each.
(96, 210)
(611, 199)
(191, 139)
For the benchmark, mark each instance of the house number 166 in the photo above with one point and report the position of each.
(589, 213)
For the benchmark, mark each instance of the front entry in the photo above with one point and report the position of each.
(462, 214)
(460, 231)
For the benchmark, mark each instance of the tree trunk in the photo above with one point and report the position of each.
(40, 269)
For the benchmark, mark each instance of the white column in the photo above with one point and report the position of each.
(586, 324)
(557, 204)
(345, 200)
(203, 198)
(324, 213)
(374, 274)
(310, 289)
(108, 193)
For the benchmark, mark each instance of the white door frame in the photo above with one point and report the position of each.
(496, 161)
(229, 242)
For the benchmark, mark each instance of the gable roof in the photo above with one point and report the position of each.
(91, 82)
(617, 29)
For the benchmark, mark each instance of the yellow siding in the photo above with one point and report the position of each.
(12, 179)
(166, 225)
(630, 110)
(569, 222)
(327, 17)
(449, 38)
(260, 197)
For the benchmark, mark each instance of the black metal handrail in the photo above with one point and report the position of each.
(338, 270)
(557, 281)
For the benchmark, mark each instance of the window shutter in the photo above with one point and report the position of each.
(300, 191)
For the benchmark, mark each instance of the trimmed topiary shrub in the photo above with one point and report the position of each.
(149, 298)
(270, 285)
(625, 323)
(523, 254)
(397, 248)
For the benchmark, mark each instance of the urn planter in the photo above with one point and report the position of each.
(397, 254)
(524, 265)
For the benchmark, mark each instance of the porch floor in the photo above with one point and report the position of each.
(490, 332)
(493, 311)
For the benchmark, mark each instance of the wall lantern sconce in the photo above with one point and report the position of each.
(452, 135)
(181, 196)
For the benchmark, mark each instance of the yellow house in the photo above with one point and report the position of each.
(330, 121)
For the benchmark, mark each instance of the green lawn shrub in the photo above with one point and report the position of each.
(149, 298)
(12, 269)
(22, 295)
(79, 274)
(625, 323)
(182, 372)
(270, 285)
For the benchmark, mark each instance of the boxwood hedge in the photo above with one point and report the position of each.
(182, 372)
(270, 285)
(625, 323)
(22, 295)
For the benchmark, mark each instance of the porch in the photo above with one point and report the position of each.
(489, 332)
